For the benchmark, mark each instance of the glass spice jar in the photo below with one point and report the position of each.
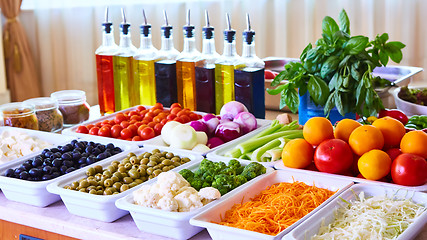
(47, 112)
(19, 114)
(73, 106)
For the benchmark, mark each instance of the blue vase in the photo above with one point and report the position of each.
(307, 109)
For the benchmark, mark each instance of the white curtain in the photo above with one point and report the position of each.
(64, 34)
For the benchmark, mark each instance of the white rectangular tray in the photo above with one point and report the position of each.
(100, 207)
(220, 151)
(217, 232)
(311, 226)
(72, 130)
(262, 124)
(173, 224)
(52, 138)
(34, 192)
(423, 188)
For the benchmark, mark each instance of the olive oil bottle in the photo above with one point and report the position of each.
(104, 68)
(165, 68)
(123, 68)
(249, 79)
(185, 68)
(144, 81)
(224, 69)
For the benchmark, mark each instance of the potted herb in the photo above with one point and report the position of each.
(337, 72)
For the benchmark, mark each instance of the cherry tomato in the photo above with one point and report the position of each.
(182, 113)
(89, 126)
(94, 131)
(132, 121)
(105, 122)
(120, 117)
(134, 129)
(105, 131)
(175, 110)
(394, 113)
(175, 105)
(82, 129)
(409, 170)
(158, 128)
(333, 156)
(171, 116)
(151, 124)
(157, 119)
(164, 121)
(148, 118)
(185, 118)
(150, 114)
(178, 119)
(133, 113)
(147, 133)
(142, 114)
(157, 112)
(115, 131)
(158, 106)
(136, 138)
(98, 124)
(124, 124)
(193, 116)
(136, 118)
(137, 124)
(126, 133)
(140, 108)
(393, 153)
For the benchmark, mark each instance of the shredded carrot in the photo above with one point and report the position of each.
(276, 208)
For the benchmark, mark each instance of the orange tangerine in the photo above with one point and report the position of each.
(365, 138)
(317, 130)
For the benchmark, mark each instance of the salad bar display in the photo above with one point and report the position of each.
(347, 167)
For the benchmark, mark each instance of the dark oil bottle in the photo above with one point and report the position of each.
(165, 68)
(249, 79)
(104, 68)
(205, 71)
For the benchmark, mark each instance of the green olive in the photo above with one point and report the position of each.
(134, 184)
(92, 191)
(108, 182)
(98, 176)
(131, 154)
(125, 160)
(155, 151)
(68, 187)
(144, 161)
(107, 174)
(157, 172)
(156, 167)
(134, 160)
(127, 180)
(82, 190)
(90, 178)
(99, 192)
(154, 158)
(151, 163)
(138, 181)
(99, 187)
(98, 168)
(128, 166)
(186, 159)
(143, 179)
(171, 167)
(111, 168)
(93, 182)
(117, 175)
(176, 159)
(83, 184)
(115, 162)
(134, 174)
(165, 168)
(111, 189)
(149, 170)
(108, 192)
(140, 157)
(143, 166)
(122, 169)
(169, 155)
(90, 171)
(151, 177)
(166, 162)
(147, 155)
(176, 164)
(75, 185)
(117, 186)
(142, 171)
(124, 187)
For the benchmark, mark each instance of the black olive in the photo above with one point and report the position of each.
(34, 172)
(83, 165)
(55, 169)
(63, 169)
(84, 154)
(27, 166)
(9, 172)
(101, 156)
(74, 141)
(24, 175)
(57, 155)
(90, 160)
(19, 170)
(82, 160)
(54, 150)
(47, 169)
(70, 170)
(67, 156)
(67, 163)
(55, 174)
(57, 162)
(46, 177)
(37, 162)
(30, 162)
(76, 156)
(110, 146)
(96, 151)
(48, 154)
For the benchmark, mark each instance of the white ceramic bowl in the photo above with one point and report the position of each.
(325, 215)
(174, 224)
(407, 107)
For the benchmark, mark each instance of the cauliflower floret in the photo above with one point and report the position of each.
(171, 180)
(144, 196)
(208, 194)
(189, 189)
(156, 188)
(168, 203)
(188, 200)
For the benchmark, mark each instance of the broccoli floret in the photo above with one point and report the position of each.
(219, 166)
(234, 168)
(224, 183)
(186, 173)
(198, 173)
(207, 178)
(206, 184)
(234, 163)
(253, 170)
(206, 165)
(196, 183)
(239, 180)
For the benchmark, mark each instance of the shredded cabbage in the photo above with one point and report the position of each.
(373, 218)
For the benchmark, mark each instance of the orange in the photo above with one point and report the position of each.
(374, 164)
(297, 153)
(392, 130)
(414, 142)
(365, 138)
(344, 128)
(317, 130)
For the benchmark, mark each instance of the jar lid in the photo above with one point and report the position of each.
(69, 96)
(16, 109)
(42, 103)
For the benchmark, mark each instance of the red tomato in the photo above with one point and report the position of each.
(175, 105)
(148, 118)
(126, 133)
(89, 126)
(98, 124)
(158, 106)
(150, 114)
(158, 128)
(151, 124)
(147, 133)
(175, 110)
(82, 129)
(115, 131)
(140, 108)
(134, 129)
(124, 124)
(185, 118)
(409, 170)
(171, 116)
(137, 124)
(105, 122)
(182, 113)
(268, 74)
(178, 119)
(142, 114)
(333, 156)
(164, 121)
(94, 131)
(157, 119)
(120, 117)
(136, 138)
(133, 113)
(136, 118)
(393, 153)
(140, 128)
(193, 116)
(105, 131)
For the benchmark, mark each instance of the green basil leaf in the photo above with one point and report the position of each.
(329, 66)
(396, 44)
(280, 77)
(318, 90)
(383, 57)
(276, 90)
(356, 44)
(311, 54)
(367, 83)
(340, 80)
(369, 99)
(394, 52)
(329, 26)
(291, 98)
(340, 35)
(310, 66)
(329, 105)
(338, 103)
(344, 61)
(355, 72)
(304, 52)
(344, 22)
(384, 37)
(346, 82)
(282, 100)
(333, 82)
